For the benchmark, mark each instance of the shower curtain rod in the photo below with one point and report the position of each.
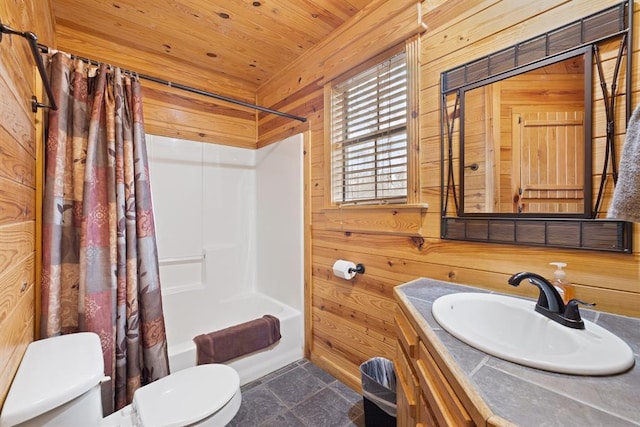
(34, 45)
(221, 97)
(46, 49)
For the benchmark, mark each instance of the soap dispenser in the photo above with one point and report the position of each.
(564, 288)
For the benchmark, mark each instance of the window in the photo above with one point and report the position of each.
(370, 135)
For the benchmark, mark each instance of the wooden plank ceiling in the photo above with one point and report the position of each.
(226, 46)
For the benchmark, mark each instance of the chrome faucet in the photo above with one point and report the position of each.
(550, 302)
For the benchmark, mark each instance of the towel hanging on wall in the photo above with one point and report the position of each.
(626, 196)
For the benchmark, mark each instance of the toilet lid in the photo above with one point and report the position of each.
(186, 396)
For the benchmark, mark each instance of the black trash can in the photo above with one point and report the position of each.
(379, 392)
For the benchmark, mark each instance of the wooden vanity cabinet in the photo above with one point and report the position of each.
(425, 396)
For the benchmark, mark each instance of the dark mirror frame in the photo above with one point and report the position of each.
(577, 231)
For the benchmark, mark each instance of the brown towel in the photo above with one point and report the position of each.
(238, 340)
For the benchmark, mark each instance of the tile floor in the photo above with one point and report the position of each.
(299, 395)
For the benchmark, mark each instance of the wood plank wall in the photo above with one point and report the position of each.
(350, 322)
(168, 111)
(18, 184)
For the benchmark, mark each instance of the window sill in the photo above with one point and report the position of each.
(407, 220)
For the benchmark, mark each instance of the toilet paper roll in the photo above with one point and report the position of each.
(344, 269)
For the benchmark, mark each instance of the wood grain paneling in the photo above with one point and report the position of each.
(179, 114)
(16, 115)
(17, 201)
(236, 44)
(227, 47)
(16, 240)
(168, 111)
(18, 149)
(20, 277)
(350, 45)
(16, 162)
(459, 31)
(17, 333)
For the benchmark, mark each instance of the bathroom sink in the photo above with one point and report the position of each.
(509, 328)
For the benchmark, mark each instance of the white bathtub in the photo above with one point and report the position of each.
(200, 317)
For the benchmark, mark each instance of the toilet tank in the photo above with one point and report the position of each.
(58, 383)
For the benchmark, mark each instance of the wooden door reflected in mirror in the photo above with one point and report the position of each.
(524, 142)
(548, 165)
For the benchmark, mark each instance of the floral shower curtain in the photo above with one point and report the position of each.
(100, 267)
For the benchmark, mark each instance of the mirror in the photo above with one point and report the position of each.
(529, 138)
(525, 138)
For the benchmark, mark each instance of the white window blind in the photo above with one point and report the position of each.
(369, 135)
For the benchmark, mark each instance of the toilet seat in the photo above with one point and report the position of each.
(185, 397)
(59, 382)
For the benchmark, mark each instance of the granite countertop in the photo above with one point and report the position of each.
(532, 397)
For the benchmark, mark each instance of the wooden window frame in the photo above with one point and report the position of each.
(383, 217)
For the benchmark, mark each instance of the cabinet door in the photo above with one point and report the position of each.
(405, 367)
(406, 334)
(425, 413)
(406, 403)
(441, 398)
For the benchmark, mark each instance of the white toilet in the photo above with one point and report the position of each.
(59, 381)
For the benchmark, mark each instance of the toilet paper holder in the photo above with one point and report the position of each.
(346, 269)
(359, 268)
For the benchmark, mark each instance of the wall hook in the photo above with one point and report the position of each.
(35, 104)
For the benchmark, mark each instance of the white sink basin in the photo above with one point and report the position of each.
(509, 328)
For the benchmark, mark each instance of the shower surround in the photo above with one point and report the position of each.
(230, 243)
